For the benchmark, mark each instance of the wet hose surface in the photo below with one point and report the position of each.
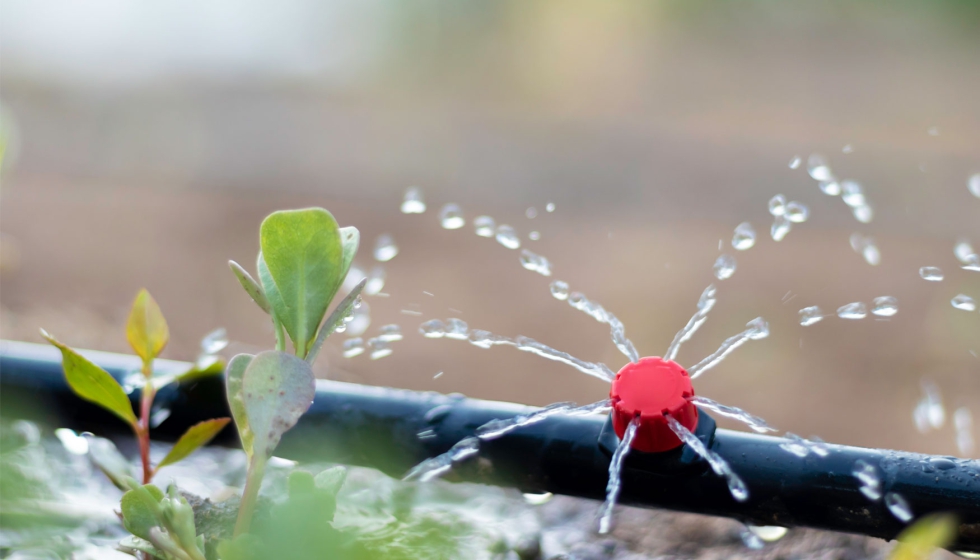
(379, 428)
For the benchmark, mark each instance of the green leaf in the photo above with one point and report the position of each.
(195, 436)
(93, 383)
(331, 480)
(277, 388)
(233, 388)
(141, 510)
(146, 328)
(921, 539)
(335, 318)
(110, 461)
(350, 238)
(275, 300)
(305, 255)
(251, 286)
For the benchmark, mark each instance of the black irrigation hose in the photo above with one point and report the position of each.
(379, 427)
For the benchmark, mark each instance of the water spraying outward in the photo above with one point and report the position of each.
(757, 329)
(615, 483)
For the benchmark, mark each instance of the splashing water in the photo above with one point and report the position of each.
(795, 445)
(973, 184)
(929, 413)
(413, 202)
(531, 213)
(457, 329)
(485, 226)
(852, 193)
(898, 506)
(616, 329)
(486, 339)
(615, 483)
(534, 235)
(451, 216)
(705, 303)
(863, 214)
(535, 263)
(853, 311)
(780, 227)
(867, 474)
(830, 188)
(353, 347)
(725, 267)
(437, 466)
(757, 424)
(559, 289)
(744, 237)
(768, 533)
(497, 428)
(390, 333)
(72, 442)
(375, 282)
(507, 237)
(963, 422)
(215, 341)
(550, 207)
(379, 348)
(360, 319)
(750, 539)
(964, 251)
(847, 149)
(810, 315)
(757, 330)
(931, 273)
(884, 306)
(797, 212)
(384, 248)
(866, 247)
(537, 499)
(777, 205)
(964, 303)
(795, 162)
(735, 484)
(433, 328)
(818, 169)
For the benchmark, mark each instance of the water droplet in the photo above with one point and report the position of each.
(931, 273)
(550, 207)
(535, 263)
(559, 289)
(385, 248)
(863, 213)
(531, 213)
(777, 205)
(795, 162)
(507, 237)
(215, 341)
(759, 328)
(73, 443)
(538, 499)
(965, 254)
(353, 347)
(413, 203)
(898, 506)
(341, 327)
(869, 478)
(375, 282)
(884, 306)
(744, 237)
(354, 276)
(973, 184)
(929, 412)
(810, 315)
(725, 267)
(933, 131)
(963, 422)
(390, 333)
(830, 188)
(534, 235)
(796, 445)
(964, 302)
(451, 216)
(856, 310)
(133, 381)
(866, 247)
(360, 319)
(379, 348)
(485, 226)
(817, 167)
(780, 227)
(847, 149)
(797, 212)
(457, 328)
(433, 329)
(852, 193)
(751, 540)
(158, 416)
(769, 533)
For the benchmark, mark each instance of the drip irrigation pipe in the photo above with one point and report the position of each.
(380, 428)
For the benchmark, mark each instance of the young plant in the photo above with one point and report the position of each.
(303, 259)
(148, 334)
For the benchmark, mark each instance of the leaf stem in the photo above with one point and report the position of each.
(143, 428)
(253, 480)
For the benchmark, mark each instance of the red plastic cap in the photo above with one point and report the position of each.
(648, 389)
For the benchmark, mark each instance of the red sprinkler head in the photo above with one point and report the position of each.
(648, 389)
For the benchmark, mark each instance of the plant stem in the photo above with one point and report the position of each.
(143, 429)
(253, 480)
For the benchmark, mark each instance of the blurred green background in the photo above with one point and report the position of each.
(147, 141)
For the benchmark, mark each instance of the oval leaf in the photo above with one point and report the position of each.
(146, 328)
(195, 436)
(350, 238)
(275, 300)
(252, 287)
(93, 383)
(233, 387)
(277, 389)
(305, 256)
(141, 510)
(920, 540)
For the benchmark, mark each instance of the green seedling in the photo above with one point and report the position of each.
(920, 540)
(148, 334)
(303, 260)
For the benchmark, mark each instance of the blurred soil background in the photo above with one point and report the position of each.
(148, 141)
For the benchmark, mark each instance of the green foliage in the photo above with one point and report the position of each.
(252, 287)
(146, 328)
(141, 510)
(107, 459)
(195, 436)
(922, 538)
(277, 388)
(233, 387)
(162, 524)
(93, 383)
(343, 310)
